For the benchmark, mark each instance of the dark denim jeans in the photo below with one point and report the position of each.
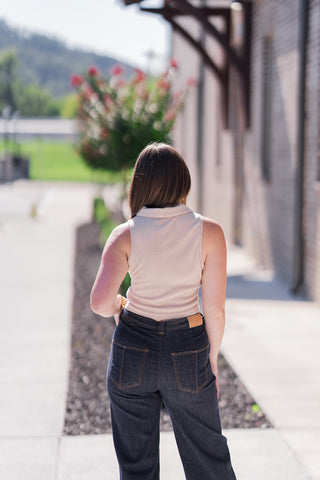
(153, 362)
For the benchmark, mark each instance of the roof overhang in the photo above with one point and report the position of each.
(237, 52)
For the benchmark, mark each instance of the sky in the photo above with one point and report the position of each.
(103, 26)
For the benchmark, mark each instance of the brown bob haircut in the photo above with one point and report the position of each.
(160, 178)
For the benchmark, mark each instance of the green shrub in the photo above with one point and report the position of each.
(69, 106)
(118, 117)
(102, 216)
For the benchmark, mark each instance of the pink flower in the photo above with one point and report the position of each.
(76, 80)
(117, 70)
(163, 84)
(108, 102)
(92, 72)
(173, 63)
(139, 77)
(169, 116)
(88, 92)
(141, 91)
(121, 83)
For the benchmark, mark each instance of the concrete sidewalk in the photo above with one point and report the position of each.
(36, 275)
(271, 341)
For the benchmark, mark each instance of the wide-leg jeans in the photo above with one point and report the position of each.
(164, 361)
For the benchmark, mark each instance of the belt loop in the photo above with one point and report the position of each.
(161, 328)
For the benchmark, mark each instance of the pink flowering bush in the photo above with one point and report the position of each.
(119, 117)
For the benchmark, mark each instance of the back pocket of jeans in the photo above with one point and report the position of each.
(127, 365)
(192, 369)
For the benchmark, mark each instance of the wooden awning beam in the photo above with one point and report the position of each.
(131, 2)
(171, 11)
(189, 9)
(197, 45)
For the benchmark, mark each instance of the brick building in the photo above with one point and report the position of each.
(251, 134)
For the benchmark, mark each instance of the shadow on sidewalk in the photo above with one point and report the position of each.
(260, 286)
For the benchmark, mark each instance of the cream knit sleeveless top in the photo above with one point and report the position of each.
(165, 262)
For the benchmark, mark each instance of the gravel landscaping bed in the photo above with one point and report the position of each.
(87, 410)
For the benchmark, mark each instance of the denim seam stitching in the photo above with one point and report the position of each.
(122, 362)
(141, 372)
(197, 390)
(196, 367)
(206, 378)
(159, 363)
(130, 347)
(176, 354)
(124, 348)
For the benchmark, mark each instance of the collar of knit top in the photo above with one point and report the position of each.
(164, 212)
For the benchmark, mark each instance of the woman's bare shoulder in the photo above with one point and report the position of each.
(120, 237)
(212, 228)
(213, 235)
(121, 231)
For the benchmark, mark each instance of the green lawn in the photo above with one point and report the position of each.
(58, 160)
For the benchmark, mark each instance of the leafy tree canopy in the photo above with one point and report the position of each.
(29, 100)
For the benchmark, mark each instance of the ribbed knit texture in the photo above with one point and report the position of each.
(165, 262)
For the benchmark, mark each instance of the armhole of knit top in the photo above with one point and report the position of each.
(201, 240)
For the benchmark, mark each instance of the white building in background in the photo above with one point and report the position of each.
(23, 128)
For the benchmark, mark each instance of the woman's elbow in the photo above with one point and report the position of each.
(100, 306)
(94, 305)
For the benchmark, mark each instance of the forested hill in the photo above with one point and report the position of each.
(48, 62)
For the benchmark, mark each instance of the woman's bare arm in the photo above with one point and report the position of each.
(214, 280)
(104, 298)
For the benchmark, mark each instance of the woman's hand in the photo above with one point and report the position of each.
(116, 317)
(119, 302)
(123, 301)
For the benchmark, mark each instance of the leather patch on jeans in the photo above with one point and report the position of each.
(195, 320)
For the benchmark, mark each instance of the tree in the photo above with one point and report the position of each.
(8, 65)
(29, 100)
(69, 106)
(118, 117)
(32, 101)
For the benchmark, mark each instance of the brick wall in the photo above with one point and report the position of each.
(312, 156)
(268, 212)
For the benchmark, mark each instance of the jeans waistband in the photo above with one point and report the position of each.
(161, 326)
